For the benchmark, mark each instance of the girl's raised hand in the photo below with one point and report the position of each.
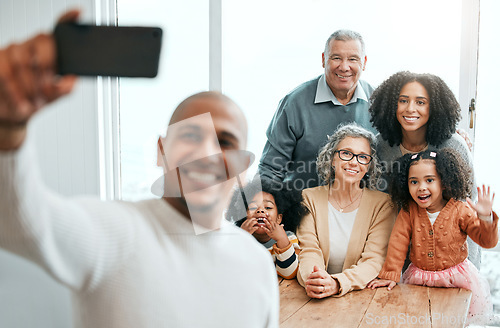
(277, 232)
(381, 283)
(250, 225)
(484, 201)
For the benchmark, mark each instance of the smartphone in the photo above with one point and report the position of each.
(123, 51)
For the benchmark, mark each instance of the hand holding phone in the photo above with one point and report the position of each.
(107, 50)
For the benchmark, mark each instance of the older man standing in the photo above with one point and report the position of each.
(314, 110)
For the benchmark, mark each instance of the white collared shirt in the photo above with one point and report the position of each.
(325, 94)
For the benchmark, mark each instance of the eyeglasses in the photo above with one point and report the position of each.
(347, 155)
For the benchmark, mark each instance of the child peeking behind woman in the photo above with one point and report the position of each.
(429, 187)
(273, 213)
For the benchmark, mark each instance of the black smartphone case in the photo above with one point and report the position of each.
(107, 50)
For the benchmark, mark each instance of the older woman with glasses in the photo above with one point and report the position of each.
(344, 237)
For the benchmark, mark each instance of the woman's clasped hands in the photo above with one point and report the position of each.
(321, 284)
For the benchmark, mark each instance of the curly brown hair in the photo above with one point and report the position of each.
(454, 172)
(444, 109)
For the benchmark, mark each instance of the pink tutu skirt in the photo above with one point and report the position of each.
(463, 275)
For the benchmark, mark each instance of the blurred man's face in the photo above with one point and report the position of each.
(200, 153)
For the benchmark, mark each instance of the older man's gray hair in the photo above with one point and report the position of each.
(345, 35)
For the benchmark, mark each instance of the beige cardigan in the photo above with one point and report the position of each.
(367, 245)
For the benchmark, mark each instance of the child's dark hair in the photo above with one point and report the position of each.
(454, 172)
(444, 109)
(289, 202)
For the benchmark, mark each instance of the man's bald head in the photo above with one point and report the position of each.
(215, 103)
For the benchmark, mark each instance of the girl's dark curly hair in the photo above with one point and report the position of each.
(454, 172)
(444, 109)
(289, 202)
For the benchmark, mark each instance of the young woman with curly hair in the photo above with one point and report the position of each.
(271, 212)
(415, 112)
(431, 188)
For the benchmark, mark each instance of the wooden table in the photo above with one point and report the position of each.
(403, 306)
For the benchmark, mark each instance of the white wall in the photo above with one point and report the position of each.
(66, 139)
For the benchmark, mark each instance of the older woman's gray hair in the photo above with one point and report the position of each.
(326, 153)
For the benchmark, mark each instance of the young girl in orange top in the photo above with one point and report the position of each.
(429, 187)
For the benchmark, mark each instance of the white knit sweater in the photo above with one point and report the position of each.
(135, 264)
